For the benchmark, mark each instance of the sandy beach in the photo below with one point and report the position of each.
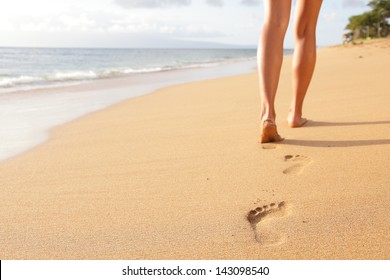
(179, 173)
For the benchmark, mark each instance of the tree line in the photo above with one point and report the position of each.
(371, 24)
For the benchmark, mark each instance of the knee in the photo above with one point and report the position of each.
(304, 30)
(278, 26)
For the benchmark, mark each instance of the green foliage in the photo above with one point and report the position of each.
(381, 7)
(373, 23)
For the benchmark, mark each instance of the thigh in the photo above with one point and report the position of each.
(277, 11)
(306, 13)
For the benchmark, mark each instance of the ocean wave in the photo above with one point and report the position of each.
(23, 80)
(8, 82)
(60, 77)
(72, 75)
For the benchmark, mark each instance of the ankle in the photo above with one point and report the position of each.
(268, 117)
(294, 113)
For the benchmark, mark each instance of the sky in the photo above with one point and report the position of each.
(154, 23)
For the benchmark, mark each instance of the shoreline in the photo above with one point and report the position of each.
(80, 65)
(177, 173)
(68, 103)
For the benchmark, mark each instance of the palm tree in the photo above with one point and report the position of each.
(373, 23)
(355, 25)
(381, 9)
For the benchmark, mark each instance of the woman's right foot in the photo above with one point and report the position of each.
(269, 132)
(296, 122)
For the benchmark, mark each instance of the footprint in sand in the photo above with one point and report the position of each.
(260, 220)
(300, 162)
(268, 146)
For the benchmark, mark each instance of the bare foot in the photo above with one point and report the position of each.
(269, 133)
(294, 122)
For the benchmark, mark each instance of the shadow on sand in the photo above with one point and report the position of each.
(338, 143)
(317, 123)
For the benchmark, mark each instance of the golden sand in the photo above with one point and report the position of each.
(179, 174)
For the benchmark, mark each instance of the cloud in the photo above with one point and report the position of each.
(250, 2)
(151, 3)
(329, 17)
(187, 31)
(192, 31)
(6, 25)
(220, 3)
(156, 26)
(35, 26)
(353, 3)
(128, 4)
(217, 3)
(82, 22)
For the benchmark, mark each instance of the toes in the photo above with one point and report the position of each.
(252, 213)
(288, 157)
(259, 209)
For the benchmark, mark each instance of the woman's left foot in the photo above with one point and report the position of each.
(269, 133)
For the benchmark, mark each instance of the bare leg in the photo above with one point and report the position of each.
(304, 60)
(270, 58)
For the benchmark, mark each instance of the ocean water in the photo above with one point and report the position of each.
(27, 68)
(26, 115)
